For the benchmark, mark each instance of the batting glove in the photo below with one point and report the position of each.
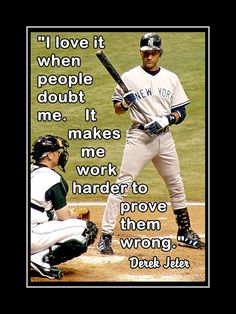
(156, 126)
(129, 99)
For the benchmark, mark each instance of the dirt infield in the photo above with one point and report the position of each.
(186, 265)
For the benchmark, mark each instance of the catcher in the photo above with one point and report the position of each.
(58, 232)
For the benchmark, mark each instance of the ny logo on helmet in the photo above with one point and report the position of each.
(151, 42)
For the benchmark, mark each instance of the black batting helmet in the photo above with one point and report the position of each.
(50, 143)
(150, 41)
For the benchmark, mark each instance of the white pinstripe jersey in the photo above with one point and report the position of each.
(157, 95)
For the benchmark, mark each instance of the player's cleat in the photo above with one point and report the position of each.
(189, 238)
(185, 235)
(104, 244)
(50, 273)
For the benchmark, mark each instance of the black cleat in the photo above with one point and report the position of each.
(104, 244)
(50, 273)
(187, 237)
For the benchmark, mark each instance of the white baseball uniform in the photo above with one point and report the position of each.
(48, 193)
(157, 95)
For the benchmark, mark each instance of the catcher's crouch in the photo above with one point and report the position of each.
(58, 233)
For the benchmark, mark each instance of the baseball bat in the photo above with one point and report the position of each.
(110, 68)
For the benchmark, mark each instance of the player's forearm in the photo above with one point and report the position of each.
(176, 114)
(65, 213)
(180, 114)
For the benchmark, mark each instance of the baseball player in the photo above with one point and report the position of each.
(56, 233)
(162, 99)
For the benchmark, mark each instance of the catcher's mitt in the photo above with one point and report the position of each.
(81, 212)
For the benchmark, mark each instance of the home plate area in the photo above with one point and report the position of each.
(95, 269)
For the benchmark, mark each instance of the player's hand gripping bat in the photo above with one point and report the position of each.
(107, 64)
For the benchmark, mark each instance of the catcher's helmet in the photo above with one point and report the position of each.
(150, 41)
(50, 143)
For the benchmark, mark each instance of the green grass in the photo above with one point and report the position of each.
(184, 54)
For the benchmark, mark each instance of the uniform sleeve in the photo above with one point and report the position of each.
(118, 94)
(179, 96)
(57, 195)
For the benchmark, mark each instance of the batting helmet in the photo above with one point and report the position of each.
(50, 143)
(150, 41)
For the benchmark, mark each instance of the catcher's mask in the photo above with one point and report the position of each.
(50, 143)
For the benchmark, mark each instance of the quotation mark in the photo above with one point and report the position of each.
(46, 39)
(41, 38)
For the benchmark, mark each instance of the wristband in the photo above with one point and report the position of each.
(171, 118)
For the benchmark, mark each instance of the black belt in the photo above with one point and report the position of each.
(166, 129)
